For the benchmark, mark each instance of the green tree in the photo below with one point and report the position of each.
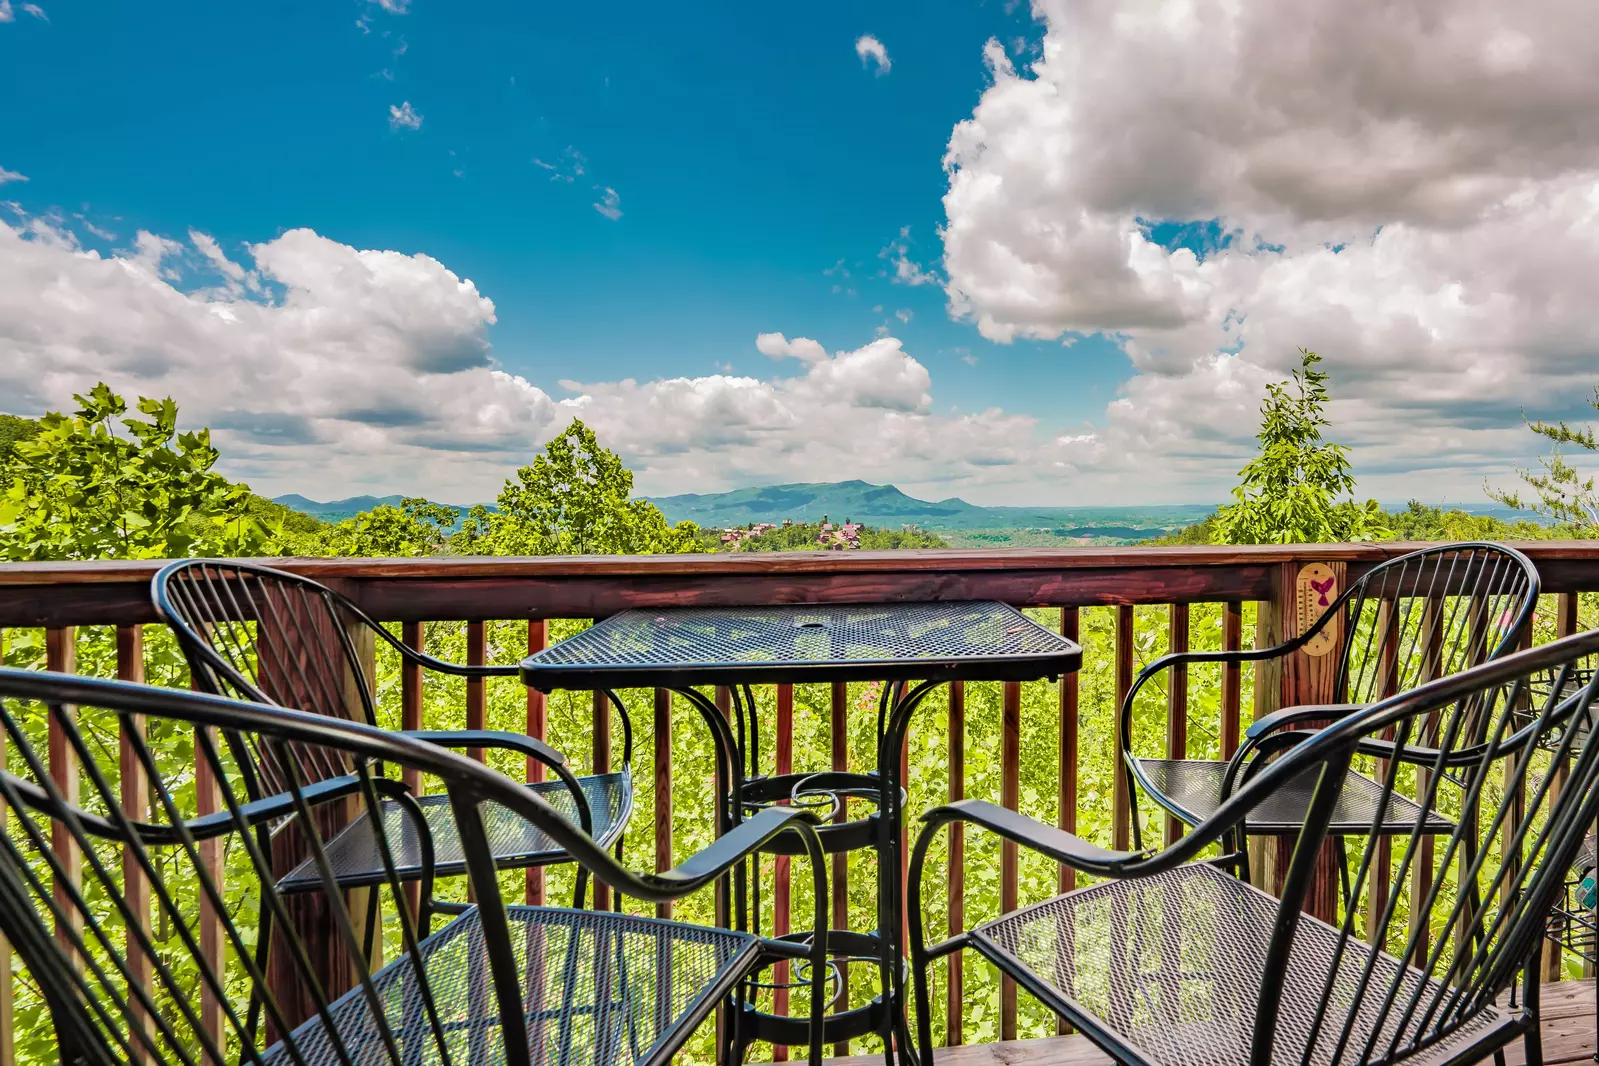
(1560, 491)
(416, 527)
(1289, 493)
(12, 429)
(102, 484)
(575, 499)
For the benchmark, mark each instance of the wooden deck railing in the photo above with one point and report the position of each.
(60, 597)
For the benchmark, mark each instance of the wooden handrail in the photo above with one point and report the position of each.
(412, 590)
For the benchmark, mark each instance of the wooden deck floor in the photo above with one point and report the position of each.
(1568, 1037)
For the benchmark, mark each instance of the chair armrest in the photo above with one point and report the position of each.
(1032, 834)
(529, 746)
(1308, 712)
(490, 738)
(741, 841)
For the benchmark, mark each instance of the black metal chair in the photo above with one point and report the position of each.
(1172, 961)
(105, 901)
(261, 634)
(1423, 615)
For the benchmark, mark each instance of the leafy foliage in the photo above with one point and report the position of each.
(575, 499)
(1560, 491)
(805, 536)
(82, 489)
(1289, 493)
(415, 528)
(13, 429)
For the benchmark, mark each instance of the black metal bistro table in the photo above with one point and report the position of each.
(911, 647)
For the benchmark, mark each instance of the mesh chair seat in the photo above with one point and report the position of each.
(1170, 967)
(515, 841)
(1194, 785)
(598, 987)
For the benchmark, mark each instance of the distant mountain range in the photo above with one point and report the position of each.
(963, 524)
(885, 505)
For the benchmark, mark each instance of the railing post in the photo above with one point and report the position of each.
(311, 912)
(1308, 678)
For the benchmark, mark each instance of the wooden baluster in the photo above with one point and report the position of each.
(1268, 698)
(1177, 701)
(538, 726)
(134, 797)
(1431, 641)
(1232, 636)
(1381, 876)
(1065, 876)
(8, 1049)
(1010, 760)
(663, 790)
(954, 1008)
(784, 743)
(603, 897)
(413, 636)
(208, 800)
(724, 885)
(1565, 626)
(477, 654)
(839, 742)
(1121, 818)
(61, 655)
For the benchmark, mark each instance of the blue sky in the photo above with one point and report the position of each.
(394, 245)
(750, 148)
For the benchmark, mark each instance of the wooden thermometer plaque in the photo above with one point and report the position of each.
(1315, 589)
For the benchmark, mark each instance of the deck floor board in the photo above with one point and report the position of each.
(1568, 1037)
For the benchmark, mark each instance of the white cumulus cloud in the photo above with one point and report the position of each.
(11, 175)
(872, 53)
(1411, 189)
(404, 117)
(609, 204)
(331, 370)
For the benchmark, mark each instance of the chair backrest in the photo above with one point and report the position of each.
(1466, 904)
(255, 633)
(1432, 613)
(107, 886)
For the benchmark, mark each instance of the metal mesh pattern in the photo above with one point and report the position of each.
(847, 634)
(1195, 785)
(355, 857)
(1173, 965)
(597, 988)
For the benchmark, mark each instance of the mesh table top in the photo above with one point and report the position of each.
(675, 647)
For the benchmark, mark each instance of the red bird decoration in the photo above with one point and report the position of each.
(1322, 588)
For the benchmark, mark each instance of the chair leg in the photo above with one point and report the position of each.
(1534, 1037)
